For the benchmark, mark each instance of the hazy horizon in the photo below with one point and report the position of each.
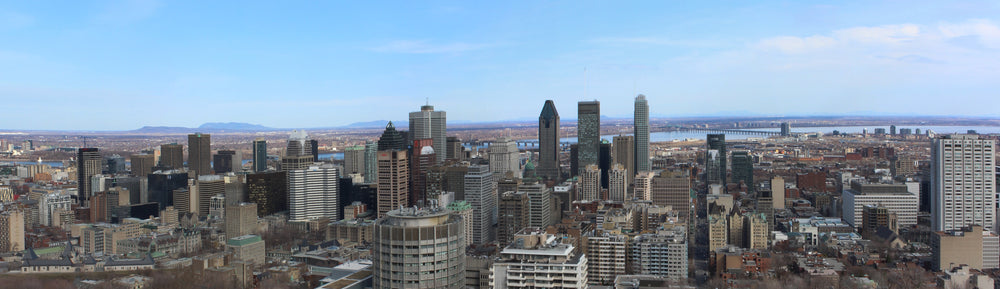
(122, 65)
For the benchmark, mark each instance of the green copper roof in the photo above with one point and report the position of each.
(459, 206)
(243, 240)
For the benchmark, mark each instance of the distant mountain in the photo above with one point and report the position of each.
(163, 129)
(233, 126)
(206, 128)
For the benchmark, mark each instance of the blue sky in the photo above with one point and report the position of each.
(118, 65)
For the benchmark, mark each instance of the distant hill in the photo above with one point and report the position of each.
(233, 126)
(206, 128)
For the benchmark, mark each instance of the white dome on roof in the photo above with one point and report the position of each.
(427, 150)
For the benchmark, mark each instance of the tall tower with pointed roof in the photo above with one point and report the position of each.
(548, 142)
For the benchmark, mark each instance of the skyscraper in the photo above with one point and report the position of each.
(241, 219)
(513, 215)
(391, 139)
(590, 184)
(371, 162)
(624, 154)
(88, 162)
(200, 153)
(430, 124)
(422, 246)
(539, 204)
(548, 142)
(963, 182)
(713, 168)
(617, 183)
(504, 157)
(354, 160)
(225, 161)
(718, 142)
(314, 193)
(481, 193)
(142, 164)
(640, 124)
(393, 180)
(422, 159)
(259, 155)
(672, 188)
(298, 155)
(743, 169)
(172, 156)
(269, 190)
(588, 132)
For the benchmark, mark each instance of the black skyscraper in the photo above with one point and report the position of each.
(718, 142)
(391, 139)
(548, 142)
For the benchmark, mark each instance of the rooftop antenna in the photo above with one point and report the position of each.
(428, 99)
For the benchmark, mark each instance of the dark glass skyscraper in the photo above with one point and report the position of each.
(548, 142)
(88, 163)
(640, 124)
(588, 132)
(718, 142)
(226, 161)
(200, 153)
(391, 139)
(743, 168)
(259, 155)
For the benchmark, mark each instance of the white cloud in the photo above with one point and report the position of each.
(886, 38)
(425, 47)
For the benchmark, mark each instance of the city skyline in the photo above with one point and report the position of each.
(146, 60)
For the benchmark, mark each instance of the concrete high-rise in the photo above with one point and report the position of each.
(963, 183)
(539, 204)
(538, 260)
(88, 164)
(640, 124)
(419, 248)
(371, 162)
(605, 256)
(241, 219)
(664, 253)
(672, 188)
(588, 132)
(504, 157)
(718, 142)
(11, 229)
(513, 216)
(589, 185)
(142, 164)
(894, 197)
(481, 194)
(354, 160)
(314, 193)
(259, 155)
(393, 181)
(430, 124)
(618, 183)
(623, 147)
(226, 161)
(297, 153)
(548, 142)
(200, 153)
(172, 156)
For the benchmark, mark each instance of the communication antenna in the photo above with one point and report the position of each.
(84, 141)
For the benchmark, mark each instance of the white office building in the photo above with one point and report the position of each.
(963, 183)
(895, 197)
(313, 193)
(537, 260)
